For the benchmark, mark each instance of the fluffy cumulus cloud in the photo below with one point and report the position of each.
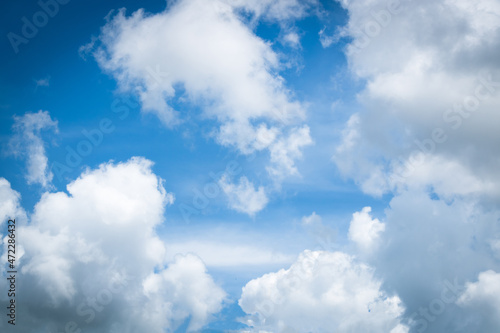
(9, 202)
(182, 290)
(92, 259)
(452, 243)
(10, 209)
(244, 197)
(321, 292)
(431, 97)
(483, 297)
(426, 132)
(365, 231)
(207, 52)
(27, 143)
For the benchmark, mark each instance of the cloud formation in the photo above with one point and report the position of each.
(92, 258)
(321, 292)
(424, 133)
(451, 242)
(27, 143)
(431, 97)
(9, 202)
(206, 52)
(365, 231)
(482, 299)
(244, 197)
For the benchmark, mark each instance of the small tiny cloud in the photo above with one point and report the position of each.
(327, 40)
(26, 142)
(311, 219)
(244, 197)
(292, 39)
(335, 105)
(44, 82)
(365, 231)
(324, 236)
(87, 49)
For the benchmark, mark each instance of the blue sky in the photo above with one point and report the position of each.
(251, 166)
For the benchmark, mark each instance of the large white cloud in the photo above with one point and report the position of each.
(427, 252)
(182, 290)
(321, 292)
(27, 143)
(426, 131)
(92, 257)
(431, 97)
(204, 51)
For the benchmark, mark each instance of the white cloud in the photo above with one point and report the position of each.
(81, 244)
(222, 66)
(450, 242)
(483, 299)
(365, 231)
(9, 202)
(244, 197)
(448, 176)
(321, 292)
(10, 209)
(183, 289)
(286, 150)
(45, 82)
(323, 236)
(27, 143)
(432, 89)
(425, 126)
(292, 39)
(327, 40)
(313, 219)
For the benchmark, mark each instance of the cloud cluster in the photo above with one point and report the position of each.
(206, 52)
(321, 292)
(428, 245)
(425, 133)
(93, 260)
(431, 97)
(427, 251)
(27, 143)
